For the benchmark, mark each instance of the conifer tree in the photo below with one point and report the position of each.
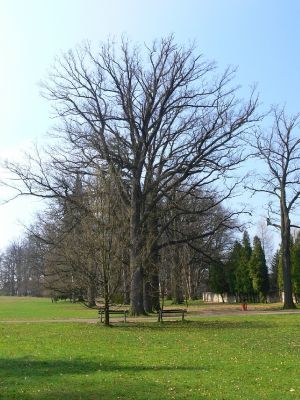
(258, 270)
(247, 249)
(273, 277)
(280, 270)
(231, 267)
(295, 253)
(279, 276)
(217, 279)
(244, 286)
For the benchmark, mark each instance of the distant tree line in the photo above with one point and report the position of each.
(85, 259)
(244, 275)
(20, 268)
(79, 249)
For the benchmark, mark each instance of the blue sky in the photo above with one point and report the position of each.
(261, 37)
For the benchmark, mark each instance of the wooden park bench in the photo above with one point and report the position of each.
(174, 312)
(101, 312)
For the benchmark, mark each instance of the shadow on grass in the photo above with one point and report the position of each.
(23, 367)
(202, 325)
(132, 390)
(67, 380)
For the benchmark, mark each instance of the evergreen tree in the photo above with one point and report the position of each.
(273, 278)
(231, 267)
(280, 267)
(295, 255)
(217, 279)
(279, 275)
(247, 249)
(244, 286)
(258, 270)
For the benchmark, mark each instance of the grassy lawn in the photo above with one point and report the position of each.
(28, 308)
(244, 357)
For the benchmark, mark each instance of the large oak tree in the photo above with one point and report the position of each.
(159, 117)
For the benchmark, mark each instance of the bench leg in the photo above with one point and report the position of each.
(159, 316)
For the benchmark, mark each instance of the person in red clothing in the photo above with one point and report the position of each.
(244, 305)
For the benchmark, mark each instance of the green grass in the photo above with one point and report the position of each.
(29, 308)
(228, 358)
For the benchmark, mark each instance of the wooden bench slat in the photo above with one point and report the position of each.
(101, 311)
(170, 313)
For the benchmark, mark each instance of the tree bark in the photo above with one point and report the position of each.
(151, 291)
(126, 284)
(137, 275)
(106, 310)
(91, 293)
(177, 292)
(137, 293)
(148, 306)
(155, 290)
(288, 302)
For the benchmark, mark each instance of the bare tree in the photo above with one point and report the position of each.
(279, 149)
(86, 243)
(10, 269)
(158, 118)
(196, 229)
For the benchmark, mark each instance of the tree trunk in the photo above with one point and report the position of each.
(193, 283)
(176, 278)
(148, 306)
(106, 310)
(137, 278)
(137, 293)
(177, 294)
(106, 294)
(91, 293)
(151, 292)
(288, 302)
(155, 290)
(126, 284)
